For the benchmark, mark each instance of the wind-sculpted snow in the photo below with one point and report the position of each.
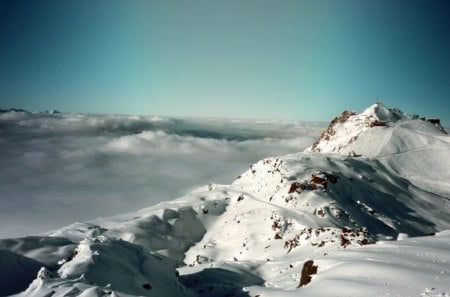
(45, 249)
(370, 223)
(60, 168)
(101, 266)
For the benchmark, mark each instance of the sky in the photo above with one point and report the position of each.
(298, 60)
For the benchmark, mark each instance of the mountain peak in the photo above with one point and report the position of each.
(282, 221)
(379, 112)
(374, 130)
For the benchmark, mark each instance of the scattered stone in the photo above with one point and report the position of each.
(308, 269)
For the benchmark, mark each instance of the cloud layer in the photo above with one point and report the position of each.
(61, 168)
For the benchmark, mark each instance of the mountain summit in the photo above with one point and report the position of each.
(362, 212)
(378, 126)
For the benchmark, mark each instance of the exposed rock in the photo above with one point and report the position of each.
(308, 269)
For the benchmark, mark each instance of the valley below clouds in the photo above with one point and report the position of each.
(60, 168)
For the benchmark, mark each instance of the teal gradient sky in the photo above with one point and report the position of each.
(301, 60)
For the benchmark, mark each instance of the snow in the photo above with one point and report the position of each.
(16, 272)
(411, 267)
(343, 132)
(374, 224)
(62, 168)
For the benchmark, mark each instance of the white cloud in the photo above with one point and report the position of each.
(62, 168)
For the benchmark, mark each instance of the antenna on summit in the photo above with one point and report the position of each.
(378, 100)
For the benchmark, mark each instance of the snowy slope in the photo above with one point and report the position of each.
(16, 272)
(102, 266)
(374, 126)
(405, 145)
(373, 222)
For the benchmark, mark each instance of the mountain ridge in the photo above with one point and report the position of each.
(345, 129)
(355, 193)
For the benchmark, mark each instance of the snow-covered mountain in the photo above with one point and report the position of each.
(362, 212)
(62, 168)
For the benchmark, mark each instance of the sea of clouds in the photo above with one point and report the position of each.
(60, 168)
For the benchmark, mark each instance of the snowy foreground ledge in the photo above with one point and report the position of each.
(363, 212)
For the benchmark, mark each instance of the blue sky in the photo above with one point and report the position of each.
(301, 60)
